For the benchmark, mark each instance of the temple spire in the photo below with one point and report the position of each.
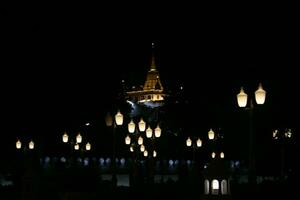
(153, 66)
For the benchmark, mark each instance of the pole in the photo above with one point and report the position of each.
(252, 176)
(282, 160)
(114, 176)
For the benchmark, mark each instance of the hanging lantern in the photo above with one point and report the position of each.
(76, 147)
(211, 134)
(157, 131)
(78, 138)
(145, 153)
(199, 142)
(140, 140)
(154, 154)
(142, 125)
(222, 155)
(31, 145)
(127, 140)
(131, 149)
(149, 132)
(88, 146)
(260, 95)
(18, 144)
(213, 154)
(142, 148)
(65, 137)
(131, 127)
(119, 118)
(188, 142)
(242, 98)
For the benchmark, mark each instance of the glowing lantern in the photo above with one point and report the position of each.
(76, 147)
(149, 132)
(222, 155)
(242, 98)
(88, 146)
(131, 127)
(119, 118)
(199, 142)
(211, 134)
(260, 95)
(157, 131)
(31, 145)
(78, 138)
(127, 140)
(213, 154)
(65, 137)
(18, 144)
(142, 125)
(140, 140)
(188, 142)
(142, 148)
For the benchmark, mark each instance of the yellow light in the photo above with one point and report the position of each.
(131, 127)
(31, 145)
(18, 144)
(145, 153)
(88, 146)
(157, 131)
(127, 140)
(65, 137)
(242, 98)
(260, 95)
(78, 138)
(149, 132)
(222, 155)
(142, 125)
(131, 149)
(211, 134)
(213, 154)
(199, 142)
(119, 118)
(154, 154)
(76, 147)
(142, 148)
(188, 142)
(140, 140)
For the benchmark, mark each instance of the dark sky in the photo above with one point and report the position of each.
(64, 62)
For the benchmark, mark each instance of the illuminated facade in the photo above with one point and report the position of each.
(152, 93)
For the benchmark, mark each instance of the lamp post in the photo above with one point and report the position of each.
(110, 122)
(138, 144)
(194, 145)
(29, 177)
(282, 136)
(242, 99)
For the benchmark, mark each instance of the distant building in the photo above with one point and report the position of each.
(152, 93)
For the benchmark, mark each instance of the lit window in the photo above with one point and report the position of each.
(206, 186)
(215, 186)
(224, 189)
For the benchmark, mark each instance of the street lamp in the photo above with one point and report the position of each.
(25, 148)
(76, 143)
(242, 99)
(110, 122)
(138, 144)
(282, 137)
(194, 145)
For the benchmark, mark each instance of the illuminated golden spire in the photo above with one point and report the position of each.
(153, 66)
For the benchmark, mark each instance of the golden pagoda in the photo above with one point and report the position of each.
(152, 92)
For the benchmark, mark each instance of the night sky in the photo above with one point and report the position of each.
(61, 64)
